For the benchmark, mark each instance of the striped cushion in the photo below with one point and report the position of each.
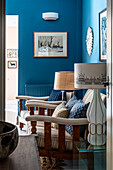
(89, 95)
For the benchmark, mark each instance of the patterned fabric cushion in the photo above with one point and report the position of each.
(60, 111)
(71, 102)
(55, 95)
(77, 111)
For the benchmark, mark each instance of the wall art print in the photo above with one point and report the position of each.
(12, 53)
(103, 35)
(12, 64)
(89, 40)
(50, 44)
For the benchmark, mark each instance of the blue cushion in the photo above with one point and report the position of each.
(77, 111)
(71, 102)
(55, 95)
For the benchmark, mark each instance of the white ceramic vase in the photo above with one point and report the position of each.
(96, 115)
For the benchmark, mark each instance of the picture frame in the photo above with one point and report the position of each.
(50, 44)
(103, 35)
(12, 64)
(12, 53)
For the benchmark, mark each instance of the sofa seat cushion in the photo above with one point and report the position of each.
(54, 137)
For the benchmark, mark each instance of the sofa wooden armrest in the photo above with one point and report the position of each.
(58, 120)
(32, 98)
(41, 105)
(21, 98)
(43, 102)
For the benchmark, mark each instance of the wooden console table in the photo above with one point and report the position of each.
(25, 156)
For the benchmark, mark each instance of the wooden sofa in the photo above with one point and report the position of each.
(38, 110)
(56, 142)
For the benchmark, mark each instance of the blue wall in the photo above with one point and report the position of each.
(42, 70)
(90, 18)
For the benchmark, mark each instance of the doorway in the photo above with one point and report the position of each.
(11, 69)
(2, 83)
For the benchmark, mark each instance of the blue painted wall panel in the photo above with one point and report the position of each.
(90, 18)
(42, 70)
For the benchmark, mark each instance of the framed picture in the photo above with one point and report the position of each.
(12, 53)
(12, 64)
(103, 35)
(50, 44)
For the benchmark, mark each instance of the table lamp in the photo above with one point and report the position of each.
(64, 81)
(92, 76)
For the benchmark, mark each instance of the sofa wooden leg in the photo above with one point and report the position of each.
(21, 125)
(33, 129)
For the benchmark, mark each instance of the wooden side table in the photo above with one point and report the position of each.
(25, 156)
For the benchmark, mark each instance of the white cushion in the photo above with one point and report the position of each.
(60, 111)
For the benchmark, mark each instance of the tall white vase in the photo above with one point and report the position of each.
(96, 115)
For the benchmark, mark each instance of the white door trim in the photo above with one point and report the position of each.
(2, 60)
(110, 91)
(109, 72)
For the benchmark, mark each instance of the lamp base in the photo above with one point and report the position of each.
(96, 115)
(63, 96)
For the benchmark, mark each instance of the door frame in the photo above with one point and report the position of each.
(2, 59)
(109, 73)
(109, 114)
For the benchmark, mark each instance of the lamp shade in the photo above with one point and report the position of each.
(64, 80)
(89, 75)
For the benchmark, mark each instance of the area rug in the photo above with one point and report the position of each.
(51, 163)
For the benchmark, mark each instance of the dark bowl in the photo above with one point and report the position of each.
(8, 139)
